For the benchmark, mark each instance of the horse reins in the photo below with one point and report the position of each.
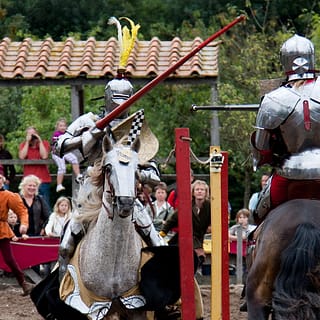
(111, 192)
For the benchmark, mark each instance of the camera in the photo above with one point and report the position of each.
(33, 137)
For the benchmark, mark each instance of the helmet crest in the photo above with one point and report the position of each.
(120, 89)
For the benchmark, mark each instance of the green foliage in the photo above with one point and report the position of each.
(249, 52)
(10, 106)
(168, 107)
(40, 107)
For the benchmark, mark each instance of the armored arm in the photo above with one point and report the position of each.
(67, 143)
(81, 135)
(267, 142)
(149, 173)
(260, 147)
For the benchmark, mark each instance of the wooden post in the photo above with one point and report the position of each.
(216, 248)
(239, 255)
(225, 239)
(185, 223)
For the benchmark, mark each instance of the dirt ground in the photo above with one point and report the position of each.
(15, 307)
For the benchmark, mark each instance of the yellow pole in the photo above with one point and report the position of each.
(216, 246)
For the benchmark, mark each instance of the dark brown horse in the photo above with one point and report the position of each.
(284, 278)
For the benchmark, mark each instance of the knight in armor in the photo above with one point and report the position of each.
(84, 138)
(287, 135)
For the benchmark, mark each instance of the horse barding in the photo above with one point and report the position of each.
(108, 277)
(284, 278)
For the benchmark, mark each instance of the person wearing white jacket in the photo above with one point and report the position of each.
(60, 215)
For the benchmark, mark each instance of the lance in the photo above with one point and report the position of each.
(102, 123)
(230, 107)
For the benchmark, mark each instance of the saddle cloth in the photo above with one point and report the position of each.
(75, 294)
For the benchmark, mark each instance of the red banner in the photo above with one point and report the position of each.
(33, 251)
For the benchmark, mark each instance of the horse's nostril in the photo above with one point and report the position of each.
(126, 201)
(125, 206)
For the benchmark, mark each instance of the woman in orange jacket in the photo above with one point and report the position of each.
(10, 200)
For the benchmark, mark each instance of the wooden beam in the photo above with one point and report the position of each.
(101, 81)
(185, 224)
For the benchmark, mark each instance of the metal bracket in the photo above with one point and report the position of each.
(216, 162)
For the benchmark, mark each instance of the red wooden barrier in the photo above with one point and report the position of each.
(33, 251)
(233, 248)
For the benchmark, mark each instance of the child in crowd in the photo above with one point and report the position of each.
(160, 210)
(15, 225)
(242, 218)
(61, 127)
(60, 215)
(58, 218)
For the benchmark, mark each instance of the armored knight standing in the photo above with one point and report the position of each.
(287, 132)
(85, 138)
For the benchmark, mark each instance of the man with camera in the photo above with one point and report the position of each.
(34, 148)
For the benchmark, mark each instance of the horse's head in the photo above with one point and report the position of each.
(120, 164)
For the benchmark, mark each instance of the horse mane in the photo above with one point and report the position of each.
(89, 199)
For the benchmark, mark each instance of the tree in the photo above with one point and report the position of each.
(248, 54)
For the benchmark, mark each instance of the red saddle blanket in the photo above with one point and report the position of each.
(33, 251)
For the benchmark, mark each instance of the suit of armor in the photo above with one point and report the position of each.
(85, 138)
(83, 135)
(287, 132)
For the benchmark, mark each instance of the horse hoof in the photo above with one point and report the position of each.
(169, 313)
(27, 288)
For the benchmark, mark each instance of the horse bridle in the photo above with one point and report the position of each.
(110, 192)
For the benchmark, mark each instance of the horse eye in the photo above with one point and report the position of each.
(108, 168)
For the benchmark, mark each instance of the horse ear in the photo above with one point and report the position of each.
(106, 144)
(136, 145)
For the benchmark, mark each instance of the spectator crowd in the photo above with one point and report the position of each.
(47, 217)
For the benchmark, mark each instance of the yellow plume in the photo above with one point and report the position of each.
(126, 39)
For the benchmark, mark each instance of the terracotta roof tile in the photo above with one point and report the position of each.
(174, 54)
(48, 59)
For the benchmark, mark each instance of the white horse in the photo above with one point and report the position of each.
(105, 278)
(108, 259)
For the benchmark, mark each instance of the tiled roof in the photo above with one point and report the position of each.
(48, 59)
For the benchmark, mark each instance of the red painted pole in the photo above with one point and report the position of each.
(101, 124)
(225, 239)
(185, 223)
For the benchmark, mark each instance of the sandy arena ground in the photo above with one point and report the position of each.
(15, 307)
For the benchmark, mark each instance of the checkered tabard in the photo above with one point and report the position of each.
(136, 126)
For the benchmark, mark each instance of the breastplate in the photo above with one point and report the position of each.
(296, 111)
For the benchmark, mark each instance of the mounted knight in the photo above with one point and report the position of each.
(84, 138)
(287, 135)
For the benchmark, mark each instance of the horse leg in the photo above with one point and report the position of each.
(258, 304)
(260, 286)
(71, 237)
(118, 311)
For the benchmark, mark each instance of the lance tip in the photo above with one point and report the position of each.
(193, 108)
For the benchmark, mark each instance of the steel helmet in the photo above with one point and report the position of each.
(116, 92)
(297, 58)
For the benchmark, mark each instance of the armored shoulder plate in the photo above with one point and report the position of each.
(315, 93)
(276, 106)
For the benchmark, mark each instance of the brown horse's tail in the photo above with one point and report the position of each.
(297, 286)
